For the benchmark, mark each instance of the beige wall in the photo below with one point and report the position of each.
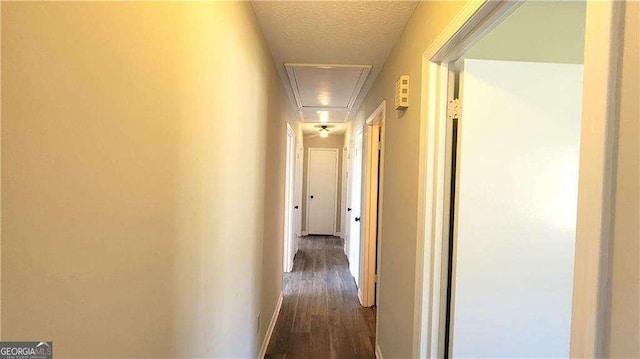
(625, 311)
(136, 139)
(333, 141)
(402, 135)
(523, 37)
(397, 270)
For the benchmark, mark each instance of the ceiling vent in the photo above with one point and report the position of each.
(326, 86)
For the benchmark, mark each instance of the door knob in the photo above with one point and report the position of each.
(348, 209)
(357, 219)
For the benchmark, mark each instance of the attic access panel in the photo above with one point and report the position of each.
(326, 86)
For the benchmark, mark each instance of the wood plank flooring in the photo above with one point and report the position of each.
(321, 316)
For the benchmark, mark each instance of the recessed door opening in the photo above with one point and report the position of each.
(371, 222)
(511, 186)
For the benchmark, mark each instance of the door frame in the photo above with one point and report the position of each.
(591, 286)
(335, 197)
(372, 205)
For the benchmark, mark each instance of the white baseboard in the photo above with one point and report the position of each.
(360, 297)
(378, 352)
(272, 325)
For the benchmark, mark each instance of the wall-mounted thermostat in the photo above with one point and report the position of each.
(402, 92)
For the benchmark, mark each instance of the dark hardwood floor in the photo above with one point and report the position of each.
(321, 316)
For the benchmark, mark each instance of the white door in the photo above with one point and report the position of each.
(347, 185)
(519, 140)
(290, 215)
(297, 202)
(343, 195)
(356, 204)
(322, 190)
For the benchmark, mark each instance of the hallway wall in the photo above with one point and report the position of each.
(136, 138)
(402, 138)
(398, 258)
(333, 141)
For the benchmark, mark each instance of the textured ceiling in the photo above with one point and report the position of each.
(332, 32)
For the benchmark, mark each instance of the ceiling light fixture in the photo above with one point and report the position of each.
(324, 133)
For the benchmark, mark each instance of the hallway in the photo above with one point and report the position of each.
(321, 316)
(162, 164)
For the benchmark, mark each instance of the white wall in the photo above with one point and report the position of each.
(519, 145)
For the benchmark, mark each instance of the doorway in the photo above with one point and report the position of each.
(372, 216)
(514, 188)
(322, 191)
(593, 155)
(515, 203)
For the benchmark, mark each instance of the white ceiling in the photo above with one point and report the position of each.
(331, 32)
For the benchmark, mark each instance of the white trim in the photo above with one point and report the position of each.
(432, 163)
(272, 325)
(335, 197)
(305, 233)
(470, 25)
(337, 234)
(378, 352)
(591, 286)
(378, 115)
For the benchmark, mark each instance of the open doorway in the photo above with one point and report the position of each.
(372, 216)
(533, 191)
(515, 142)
